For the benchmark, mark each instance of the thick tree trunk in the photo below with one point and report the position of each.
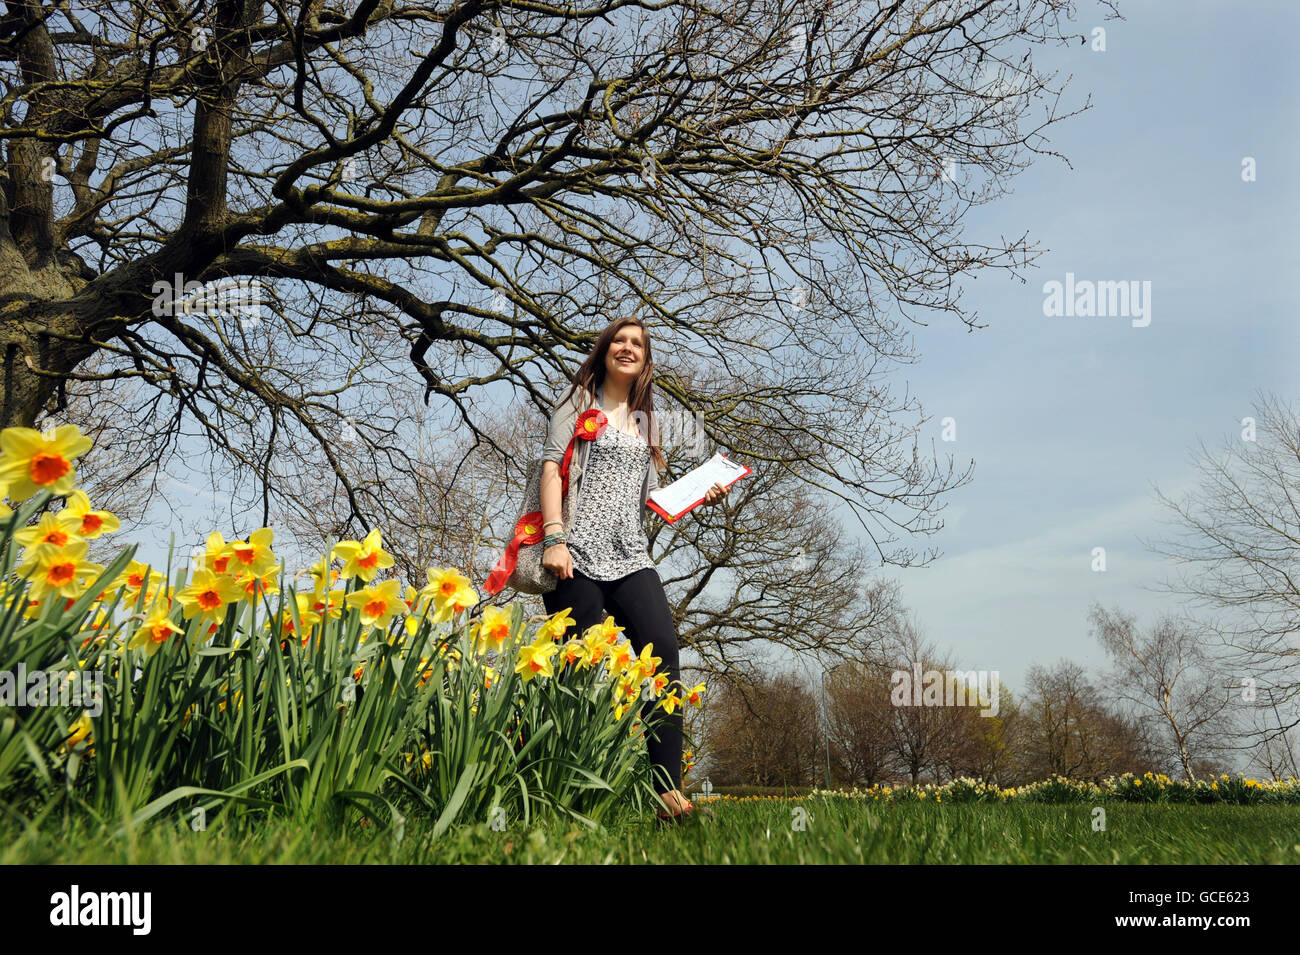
(35, 360)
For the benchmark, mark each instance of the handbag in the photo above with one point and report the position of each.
(520, 567)
(529, 576)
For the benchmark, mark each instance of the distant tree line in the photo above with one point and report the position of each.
(863, 727)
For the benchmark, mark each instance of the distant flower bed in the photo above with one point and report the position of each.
(1149, 787)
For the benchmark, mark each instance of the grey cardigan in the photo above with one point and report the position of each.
(564, 418)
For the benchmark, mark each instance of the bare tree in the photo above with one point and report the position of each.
(405, 197)
(764, 554)
(1237, 542)
(859, 717)
(922, 737)
(986, 746)
(1168, 676)
(1268, 739)
(1071, 732)
(765, 735)
(443, 511)
(879, 732)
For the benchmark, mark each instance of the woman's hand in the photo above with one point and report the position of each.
(716, 494)
(558, 561)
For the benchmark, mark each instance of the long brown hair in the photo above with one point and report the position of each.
(640, 397)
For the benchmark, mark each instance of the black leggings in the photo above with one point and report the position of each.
(637, 603)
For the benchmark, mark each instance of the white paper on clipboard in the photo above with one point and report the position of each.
(688, 489)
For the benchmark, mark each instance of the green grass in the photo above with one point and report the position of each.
(760, 831)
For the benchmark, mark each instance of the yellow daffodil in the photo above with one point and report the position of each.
(155, 631)
(416, 606)
(493, 629)
(619, 657)
(78, 517)
(630, 685)
(323, 574)
(216, 553)
(594, 644)
(574, 653)
(670, 702)
(378, 604)
(412, 623)
(306, 615)
(458, 604)
(253, 556)
(255, 585)
(33, 462)
(329, 606)
(363, 559)
(557, 625)
(607, 632)
(208, 596)
(137, 576)
(79, 731)
(535, 658)
(450, 591)
(452, 655)
(489, 677)
(59, 572)
(45, 536)
(96, 630)
(645, 664)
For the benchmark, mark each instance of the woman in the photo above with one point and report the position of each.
(604, 561)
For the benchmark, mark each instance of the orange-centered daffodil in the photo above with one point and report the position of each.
(253, 556)
(535, 658)
(34, 461)
(378, 604)
(59, 572)
(208, 596)
(493, 629)
(365, 558)
(155, 631)
(450, 591)
(79, 518)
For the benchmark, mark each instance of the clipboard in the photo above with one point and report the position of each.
(739, 471)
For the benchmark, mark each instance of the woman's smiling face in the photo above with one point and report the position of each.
(626, 354)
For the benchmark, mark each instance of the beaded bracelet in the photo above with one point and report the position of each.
(552, 539)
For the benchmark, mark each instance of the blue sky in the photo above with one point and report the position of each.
(1071, 421)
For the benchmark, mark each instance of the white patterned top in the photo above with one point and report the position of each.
(607, 540)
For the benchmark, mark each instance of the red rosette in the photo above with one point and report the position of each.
(591, 423)
(590, 426)
(527, 531)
